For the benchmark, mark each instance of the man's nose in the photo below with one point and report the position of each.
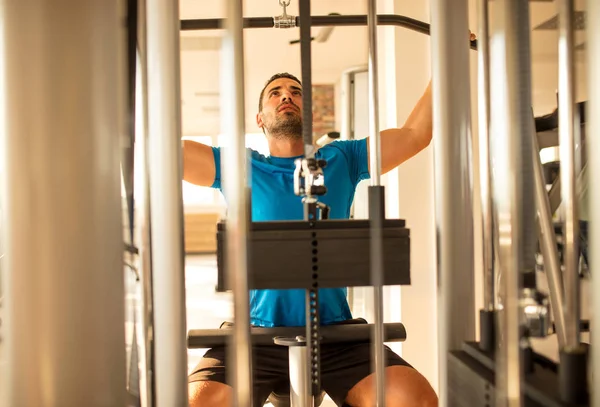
(286, 96)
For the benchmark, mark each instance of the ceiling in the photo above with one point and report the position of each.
(268, 51)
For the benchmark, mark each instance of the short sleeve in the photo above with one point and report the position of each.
(217, 156)
(358, 158)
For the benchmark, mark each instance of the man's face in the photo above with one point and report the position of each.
(281, 115)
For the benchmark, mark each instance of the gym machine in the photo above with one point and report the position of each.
(305, 254)
(46, 292)
(502, 368)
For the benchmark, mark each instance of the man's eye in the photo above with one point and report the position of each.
(297, 93)
(274, 93)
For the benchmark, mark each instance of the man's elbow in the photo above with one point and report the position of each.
(426, 139)
(422, 139)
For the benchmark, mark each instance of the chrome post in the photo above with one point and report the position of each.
(63, 103)
(485, 173)
(512, 147)
(235, 168)
(166, 203)
(376, 208)
(593, 41)
(142, 211)
(453, 180)
(566, 133)
(299, 389)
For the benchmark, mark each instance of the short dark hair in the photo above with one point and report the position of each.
(271, 79)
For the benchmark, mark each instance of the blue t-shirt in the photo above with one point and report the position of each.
(273, 199)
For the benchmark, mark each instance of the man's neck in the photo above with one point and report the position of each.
(279, 147)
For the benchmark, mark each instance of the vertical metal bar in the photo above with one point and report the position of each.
(485, 174)
(376, 208)
(375, 139)
(63, 103)
(593, 41)
(234, 176)
(299, 388)
(453, 179)
(512, 147)
(306, 62)
(166, 203)
(312, 313)
(566, 134)
(142, 170)
(548, 245)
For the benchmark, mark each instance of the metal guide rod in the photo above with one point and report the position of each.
(318, 21)
(375, 139)
(453, 180)
(312, 358)
(166, 203)
(63, 106)
(299, 384)
(485, 173)
(566, 134)
(548, 246)
(128, 154)
(510, 131)
(593, 41)
(142, 212)
(306, 62)
(239, 350)
(376, 208)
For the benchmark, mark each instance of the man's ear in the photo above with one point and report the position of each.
(259, 120)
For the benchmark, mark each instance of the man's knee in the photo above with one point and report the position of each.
(209, 394)
(407, 387)
(404, 386)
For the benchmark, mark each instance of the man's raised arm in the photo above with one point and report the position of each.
(198, 164)
(398, 145)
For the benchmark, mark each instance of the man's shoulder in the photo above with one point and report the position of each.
(346, 147)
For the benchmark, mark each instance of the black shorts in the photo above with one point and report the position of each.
(342, 367)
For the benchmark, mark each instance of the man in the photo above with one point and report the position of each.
(346, 375)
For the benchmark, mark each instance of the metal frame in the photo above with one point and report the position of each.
(566, 133)
(376, 209)
(62, 219)
(98, 288)
(318, 21)
(548, 246)
(510, 367)
(234, 177)
(593, 40)
(453, 180)
(485, 169)
(510, 128)
(142, 220)
(166, 203)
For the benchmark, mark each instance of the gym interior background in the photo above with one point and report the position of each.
(404, 73)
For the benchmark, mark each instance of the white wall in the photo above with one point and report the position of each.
(406, 74)
(545, 84)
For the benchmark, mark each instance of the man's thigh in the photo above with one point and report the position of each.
(270, 368)
(345, 366)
